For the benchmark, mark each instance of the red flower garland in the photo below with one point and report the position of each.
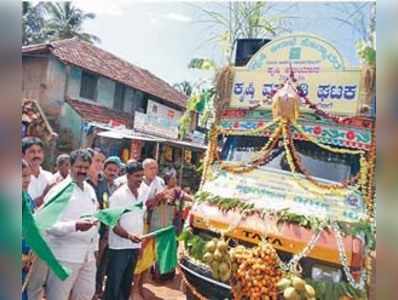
(298, 164)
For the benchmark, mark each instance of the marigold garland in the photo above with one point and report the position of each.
(371, 173)
(262, 156)
(297, 161)
(211, 153)
(315, 189)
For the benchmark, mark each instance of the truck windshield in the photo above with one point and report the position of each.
(320, 163)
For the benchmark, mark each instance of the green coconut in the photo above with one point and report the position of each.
(298, 283)
(211, 246)
(309, 291)
(291, 294)
(283, 283)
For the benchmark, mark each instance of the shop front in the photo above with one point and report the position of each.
(185, 157)
(127, 144)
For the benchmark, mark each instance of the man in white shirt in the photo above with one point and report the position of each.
(124, 239)
(74, 239)
(40, 183)
(152, 186)
(63, 167)
(41, 180)
(123, 179)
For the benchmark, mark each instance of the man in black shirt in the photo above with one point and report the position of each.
(104, 186)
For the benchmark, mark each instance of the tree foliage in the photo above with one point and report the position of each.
(33, 23)
(184, 87)
(66, 21)
(49, 21)
(230, 21)
(361, 18)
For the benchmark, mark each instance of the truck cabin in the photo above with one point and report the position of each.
(319, 162)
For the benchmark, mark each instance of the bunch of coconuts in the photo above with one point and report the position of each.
(295, 288)
(217, 258)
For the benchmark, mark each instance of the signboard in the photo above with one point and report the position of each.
(277, 190)
(152, 124)
(198, 137)
(159, 110)
(317, 65)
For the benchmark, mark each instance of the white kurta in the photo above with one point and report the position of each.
(75, 249)
(132, 222)
(39, 183)
(67, 243)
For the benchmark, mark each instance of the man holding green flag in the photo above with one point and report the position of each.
(32, 238)
(73, 239)
(124, 236)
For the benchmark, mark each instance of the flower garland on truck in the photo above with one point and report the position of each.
(286, 276)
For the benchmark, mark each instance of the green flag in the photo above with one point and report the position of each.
(165, 238)
(47, 216)
(166, 249)
(110, 216)
(35, 240)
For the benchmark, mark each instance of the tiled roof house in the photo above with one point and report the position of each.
(75, 82)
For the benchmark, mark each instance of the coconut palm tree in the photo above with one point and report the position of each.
(65, 21)
(184, 87)
(33, 23)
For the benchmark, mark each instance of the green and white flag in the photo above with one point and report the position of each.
(165, 238)
(32, 235)
(59, 198)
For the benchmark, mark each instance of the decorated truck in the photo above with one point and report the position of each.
(286, 209)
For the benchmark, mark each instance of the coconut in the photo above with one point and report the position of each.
(283, 283)
(223, 268)
(235, 267)
(215, 274)
(298, 283)
(214, 265)
(217, 255)
(210, 246)
(225, 276)
(291, 294)
(309, 290)
(222, 246)
(207, 257)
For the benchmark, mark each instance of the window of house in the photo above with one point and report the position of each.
(88, 86)
(118, 100)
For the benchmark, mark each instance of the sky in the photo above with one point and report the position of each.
(163, 37)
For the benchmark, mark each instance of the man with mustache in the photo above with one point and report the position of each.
(41, 180)
(104, 189)
(40, 183)
(73, 238)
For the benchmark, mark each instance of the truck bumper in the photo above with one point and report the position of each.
(203, 281)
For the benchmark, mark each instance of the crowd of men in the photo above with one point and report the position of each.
(105, 263)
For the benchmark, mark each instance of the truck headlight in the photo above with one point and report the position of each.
(325, 273)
